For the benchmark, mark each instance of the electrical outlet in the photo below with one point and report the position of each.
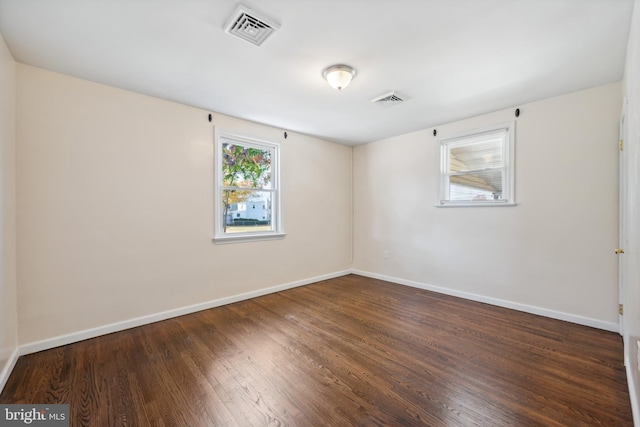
(385, 254)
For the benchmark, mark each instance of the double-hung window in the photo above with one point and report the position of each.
(247, 197)
(476, 168)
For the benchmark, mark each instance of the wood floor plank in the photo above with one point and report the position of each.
(347, 351)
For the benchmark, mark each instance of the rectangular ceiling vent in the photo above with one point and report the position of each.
(250, 26)
(388, 99)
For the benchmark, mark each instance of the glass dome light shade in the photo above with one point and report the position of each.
(339, 76)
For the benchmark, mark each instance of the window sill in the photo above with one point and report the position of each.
(473, 205)
(247, 238)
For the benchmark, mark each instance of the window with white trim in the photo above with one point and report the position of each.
(247, 197)
(476, 168)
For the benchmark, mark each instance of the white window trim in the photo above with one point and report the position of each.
(508, 168)
(278, 231)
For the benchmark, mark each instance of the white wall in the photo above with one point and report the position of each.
(632, 246)
(553, 251)
(116, 208)
(8, 313)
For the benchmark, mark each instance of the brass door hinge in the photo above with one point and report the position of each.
(621, 145)
(620, 309)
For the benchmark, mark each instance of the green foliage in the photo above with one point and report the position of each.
(245, 168)
(249, 221)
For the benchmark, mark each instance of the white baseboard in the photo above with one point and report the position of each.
(586, 321)
(8, 367)
(152, 318)
(143, 320)
(633, 395)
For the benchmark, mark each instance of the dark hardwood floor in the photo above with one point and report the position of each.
(343, 352)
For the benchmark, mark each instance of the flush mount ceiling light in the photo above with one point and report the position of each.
(339, 76)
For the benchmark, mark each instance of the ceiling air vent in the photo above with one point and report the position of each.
(250, 26)
(388, 99)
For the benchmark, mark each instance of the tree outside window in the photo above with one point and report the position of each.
(248, 197)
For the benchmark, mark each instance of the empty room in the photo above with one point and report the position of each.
(319, 213)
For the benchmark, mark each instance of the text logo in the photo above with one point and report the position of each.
(34, 415)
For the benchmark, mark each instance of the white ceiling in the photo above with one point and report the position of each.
(452, 59)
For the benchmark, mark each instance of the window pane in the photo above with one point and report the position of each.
(476, 156)
(486, 185)
(245, 167)
(246, 211)
(477, 167)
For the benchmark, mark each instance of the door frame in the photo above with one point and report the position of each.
(622, 214)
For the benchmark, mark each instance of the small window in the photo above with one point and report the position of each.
(476, 168)
(247, 173)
